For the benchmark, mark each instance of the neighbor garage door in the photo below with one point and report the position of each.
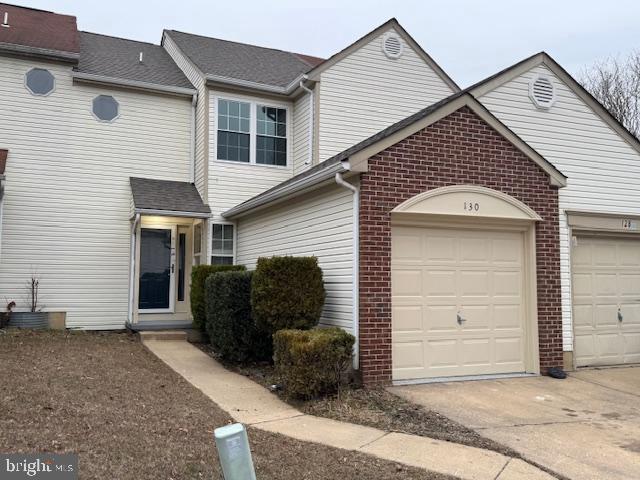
(606, 300)
(458, 305)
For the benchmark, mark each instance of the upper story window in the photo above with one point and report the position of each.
(234, 130)
(251, 132)
(40, 81)
(105, 108)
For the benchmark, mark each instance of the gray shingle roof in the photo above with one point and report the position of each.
(166, 195)
(239, 61)
(119, 58)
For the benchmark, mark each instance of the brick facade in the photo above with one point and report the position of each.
(459, 149)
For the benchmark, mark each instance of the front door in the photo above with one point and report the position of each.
(157, 269)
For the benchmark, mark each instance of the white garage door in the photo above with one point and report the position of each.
(458, 304)
(606, 301)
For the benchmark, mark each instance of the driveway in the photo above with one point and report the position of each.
(585, 427)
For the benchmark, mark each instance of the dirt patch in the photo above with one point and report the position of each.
(129, 416)
(373, 407)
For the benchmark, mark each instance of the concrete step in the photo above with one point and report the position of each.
(163, 335)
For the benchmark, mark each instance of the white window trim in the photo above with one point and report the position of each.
(235, 237)
(253, 122)
(100, 119)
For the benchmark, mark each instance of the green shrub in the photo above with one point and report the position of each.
(230, 327)
(310, 363)
(198, 276)
(287, 293)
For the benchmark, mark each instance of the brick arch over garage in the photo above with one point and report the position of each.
(459, 149)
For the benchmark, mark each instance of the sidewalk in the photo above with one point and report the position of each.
(251, 404)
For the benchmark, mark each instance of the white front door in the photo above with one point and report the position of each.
(157, 271)
(458, 302)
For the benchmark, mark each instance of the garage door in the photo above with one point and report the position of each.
(458, 305)
(606, 301)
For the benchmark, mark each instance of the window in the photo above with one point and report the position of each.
(222, 244)
(233, 130)
(105, 108)
(251, 133)
(40, 81)
(271, 139)
(197, 244)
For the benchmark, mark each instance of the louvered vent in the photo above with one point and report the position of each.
(392, 45)
(542, 92)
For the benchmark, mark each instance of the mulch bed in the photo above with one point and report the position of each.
(372, 407)
(129, 416)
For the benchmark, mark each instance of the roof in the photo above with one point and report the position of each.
(348, 159)
(543, 58)
(120, 58)
(167, 196)
(39, 31)
(260, 65)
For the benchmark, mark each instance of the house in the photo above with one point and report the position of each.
(460, 232)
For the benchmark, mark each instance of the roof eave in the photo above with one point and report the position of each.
(170, 213)
(45, 53)
(217, 80)
(133, 84)
(288, 190)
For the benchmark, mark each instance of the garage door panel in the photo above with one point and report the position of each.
(475, 273)
(628, 255)
(631, 317)
(582, 286)
(583, 317)
(632, 348)
(605, 285)
(629, 285)
(407, 283)
(604, 255)
(606, 316)
(407, 247)
(474, 283)
(440, 283)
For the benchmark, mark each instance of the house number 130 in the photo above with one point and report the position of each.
(471, 206)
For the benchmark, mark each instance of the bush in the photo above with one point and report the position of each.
(198, 276)
(310, 363)
(287, 293)
(230, 326)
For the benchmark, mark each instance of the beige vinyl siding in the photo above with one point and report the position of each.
(319, 224)
(367, 91)
(301, 123)
(197, 79)
(603, 170)
(231, 183)
(67, 202)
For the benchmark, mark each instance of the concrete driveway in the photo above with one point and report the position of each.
(585, 427)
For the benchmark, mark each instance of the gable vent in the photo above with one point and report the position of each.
(392, 45)
(542, 92)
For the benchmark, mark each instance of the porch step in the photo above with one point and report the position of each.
(163, 335)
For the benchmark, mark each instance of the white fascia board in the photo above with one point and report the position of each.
(135, 84)
(169, 213)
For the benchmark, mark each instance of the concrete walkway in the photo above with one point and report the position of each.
(251, 404)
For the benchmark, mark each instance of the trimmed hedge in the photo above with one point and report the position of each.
(199, 275)
(287, 293)
(230, 327)
(310, 363)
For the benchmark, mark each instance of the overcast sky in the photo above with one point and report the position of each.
(469, 39)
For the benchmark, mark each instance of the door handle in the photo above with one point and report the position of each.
(460, 319)
(173, 268)
(620, 316)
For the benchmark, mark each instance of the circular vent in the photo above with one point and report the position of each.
(392, 45)
(542, 92)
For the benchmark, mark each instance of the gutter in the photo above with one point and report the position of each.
(132, 263)
(192, 145)
(135, 84)
(263, 87)
(48, 53)
(170, 213)
(311, 119)
(356, 265)
(287, 189)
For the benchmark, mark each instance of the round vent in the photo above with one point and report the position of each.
(542, 92)
(392, 45)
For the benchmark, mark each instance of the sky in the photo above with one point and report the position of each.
(469, 39)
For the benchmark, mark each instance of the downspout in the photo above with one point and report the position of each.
(356, 266)
(309, 162)
(2, 182)
(132, 263)
(192, 146)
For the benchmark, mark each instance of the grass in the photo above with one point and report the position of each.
(129, 416)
